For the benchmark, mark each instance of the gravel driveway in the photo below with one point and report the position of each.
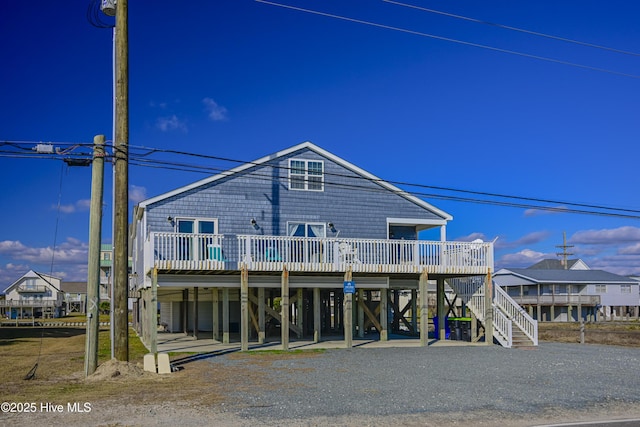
(441, 383)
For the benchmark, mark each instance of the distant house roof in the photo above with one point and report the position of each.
(47, 278)
(310, 146)
(555, 264)
(566, 276)
(74, 287)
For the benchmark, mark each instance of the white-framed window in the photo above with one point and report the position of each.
(625, 289)
(187, 247)
(306, 175)
(601, 289)
(307, 229)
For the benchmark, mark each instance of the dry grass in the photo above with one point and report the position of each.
(607, 333)
(60, 372)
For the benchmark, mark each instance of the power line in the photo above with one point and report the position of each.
(142, 160)
(479, 193)
(507, 27)
(448, 39)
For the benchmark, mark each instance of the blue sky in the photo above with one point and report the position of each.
(242, 79)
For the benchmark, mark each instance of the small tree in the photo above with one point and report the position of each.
(104, 307)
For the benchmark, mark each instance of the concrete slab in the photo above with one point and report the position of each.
(179, 343)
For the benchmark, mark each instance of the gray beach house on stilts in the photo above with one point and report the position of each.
(302, 244)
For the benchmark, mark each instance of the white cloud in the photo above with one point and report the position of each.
(81, 205)
(607, 236)
(69, 260)
(169, 123)
(630, 250)
(70, 251)
(214, 111)
(524, 258)
(137, 193)
(471, 237)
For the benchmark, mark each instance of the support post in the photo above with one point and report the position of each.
(93, 268)
(300, 313)
(121, 189)
(316, 315)
(442, 314)
(284, 306)
(244, 309)
(414, 309)
(360, 313)
(185, 311)
(195, 312)
(348, 313)
(261, 317)
(424, 309)
(225, 315)
(488, 304)
(215, 321)
(384, 316)
(153, 311)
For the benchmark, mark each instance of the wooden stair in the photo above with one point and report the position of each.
(520, 340)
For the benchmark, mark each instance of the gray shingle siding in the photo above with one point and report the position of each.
(263, 193)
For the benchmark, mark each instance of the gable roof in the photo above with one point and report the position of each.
(47, 278)
(310, 146)
(566, 276)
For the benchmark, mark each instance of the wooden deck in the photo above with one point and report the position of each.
(180, 251)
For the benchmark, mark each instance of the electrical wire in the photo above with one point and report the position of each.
(141, 159)
(397, 183)
(507, 27)
(448, 39)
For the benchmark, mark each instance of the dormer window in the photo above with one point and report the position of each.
(306, 175)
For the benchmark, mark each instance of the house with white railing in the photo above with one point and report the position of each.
(34, 295)
(304, 243)
(551, 293)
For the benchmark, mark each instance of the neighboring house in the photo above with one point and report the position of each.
(34, 295)
(75, 297)
(106, 252)
(271, 243)
(558, 294)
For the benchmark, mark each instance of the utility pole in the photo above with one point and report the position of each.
(121, 192)
(564, 252)
(93, 270)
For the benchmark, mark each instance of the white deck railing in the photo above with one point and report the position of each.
(186, 251)
(272, 253)
(516, 313)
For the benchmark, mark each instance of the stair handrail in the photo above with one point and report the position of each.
(515, 312)
(502, 328)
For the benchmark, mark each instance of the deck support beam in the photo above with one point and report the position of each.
(424, 309)
(261, 316)
(360, 313)
(225, 315)
(195, 313)
(442, 321)
(185, 311)
(488, 304)
(317, 322)
(384, 316)
(300, 312)
(285, 311)
(244, 310)
(215, 321)
(348, 313)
